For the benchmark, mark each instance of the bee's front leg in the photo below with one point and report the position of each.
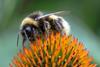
(23, 43)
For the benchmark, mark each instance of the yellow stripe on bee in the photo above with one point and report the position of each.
(53, 16)
(28, 20)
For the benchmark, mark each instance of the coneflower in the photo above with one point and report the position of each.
(54, 51)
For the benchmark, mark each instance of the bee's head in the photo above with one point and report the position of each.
(29, 27)
(29, 32)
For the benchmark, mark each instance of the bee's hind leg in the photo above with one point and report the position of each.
(58, 25)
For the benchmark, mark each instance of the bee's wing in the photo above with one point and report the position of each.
(55, 13)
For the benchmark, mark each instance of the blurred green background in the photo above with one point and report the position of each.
(83, 17)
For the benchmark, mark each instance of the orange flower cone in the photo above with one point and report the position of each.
(54, 51)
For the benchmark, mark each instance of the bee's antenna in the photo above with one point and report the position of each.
(50, 14)
(17, 39)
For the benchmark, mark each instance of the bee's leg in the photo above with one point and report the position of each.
(26, 38)
(58, 25)
(23, 43)
(46, 26)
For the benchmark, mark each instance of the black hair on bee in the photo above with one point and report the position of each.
(38, 24)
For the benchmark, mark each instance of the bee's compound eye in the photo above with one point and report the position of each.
(28, 29)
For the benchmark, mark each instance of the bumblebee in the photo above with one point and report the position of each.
(39, 24)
